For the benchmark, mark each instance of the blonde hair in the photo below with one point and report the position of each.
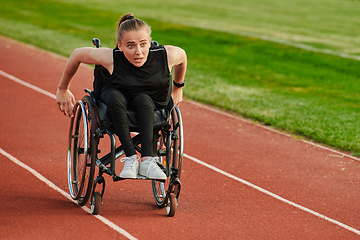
(127, 23)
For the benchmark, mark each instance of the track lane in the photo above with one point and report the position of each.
(302, 173)
(32, 210)
(28, 132)
(210, 205)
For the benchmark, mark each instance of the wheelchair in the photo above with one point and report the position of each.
(90, 125)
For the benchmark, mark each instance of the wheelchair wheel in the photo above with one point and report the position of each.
(96, 203)
(82, 151)
(171, 206)
(170, 157)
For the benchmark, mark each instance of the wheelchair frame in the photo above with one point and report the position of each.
(86, 130)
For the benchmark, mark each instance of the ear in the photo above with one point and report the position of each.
(119, 46)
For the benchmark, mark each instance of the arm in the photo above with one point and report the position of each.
(177, 59)
(98, 56)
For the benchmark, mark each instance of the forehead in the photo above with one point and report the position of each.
(135, 35)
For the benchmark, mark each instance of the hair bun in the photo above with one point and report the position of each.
(129, 17)
(126, 17)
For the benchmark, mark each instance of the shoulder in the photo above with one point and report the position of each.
(173, 50)
(176, 55)
(157, 53)
(97, 56)
(88, 51)
(91, 55)
(157, 50)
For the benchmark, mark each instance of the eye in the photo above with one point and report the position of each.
(130, 45)
(143, 44)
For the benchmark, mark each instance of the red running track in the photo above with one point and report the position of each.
(240, 180)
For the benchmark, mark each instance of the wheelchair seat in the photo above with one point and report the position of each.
(161, 117)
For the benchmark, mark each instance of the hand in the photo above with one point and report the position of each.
(177, 95)
(65, 100)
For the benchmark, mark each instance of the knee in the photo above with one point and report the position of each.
(117, 101)
(117, 104)
(142, 101)
(143, 98)
(113, 98)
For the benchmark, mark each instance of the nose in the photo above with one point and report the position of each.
(138, 50)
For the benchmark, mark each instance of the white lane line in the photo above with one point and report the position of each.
(62, 192)
(272, 194)
(341, 154)
(225, 173)
(26, 84)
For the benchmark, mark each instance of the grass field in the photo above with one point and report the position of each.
(251, 58)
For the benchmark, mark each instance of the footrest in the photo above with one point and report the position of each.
(138, 177)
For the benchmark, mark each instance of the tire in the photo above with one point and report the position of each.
(76, 162)
(178, 143)
(171, 206)
(96, 203)
(82, 151)
(171, 159)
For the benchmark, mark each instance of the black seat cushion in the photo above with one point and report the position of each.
(161, 117)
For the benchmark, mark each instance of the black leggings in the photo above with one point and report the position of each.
(144, 108)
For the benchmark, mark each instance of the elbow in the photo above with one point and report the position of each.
(182, 62)
(75, 53)
(75, 57)
(184, 56)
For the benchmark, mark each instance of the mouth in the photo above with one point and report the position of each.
(138, 60)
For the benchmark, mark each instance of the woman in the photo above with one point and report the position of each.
(140, 80)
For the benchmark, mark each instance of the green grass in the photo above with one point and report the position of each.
(311, 94)
(326, 24)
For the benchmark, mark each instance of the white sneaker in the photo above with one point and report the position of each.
(149, 168)
(131, 167)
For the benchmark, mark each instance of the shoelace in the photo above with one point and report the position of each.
(129, 161)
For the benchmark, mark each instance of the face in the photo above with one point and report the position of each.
(135, 46)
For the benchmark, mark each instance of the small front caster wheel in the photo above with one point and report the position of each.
(96, 203)
(171, 205)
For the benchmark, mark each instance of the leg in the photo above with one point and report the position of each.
(117, 111)
(144, 108)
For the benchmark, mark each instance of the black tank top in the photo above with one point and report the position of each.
(153, 78)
